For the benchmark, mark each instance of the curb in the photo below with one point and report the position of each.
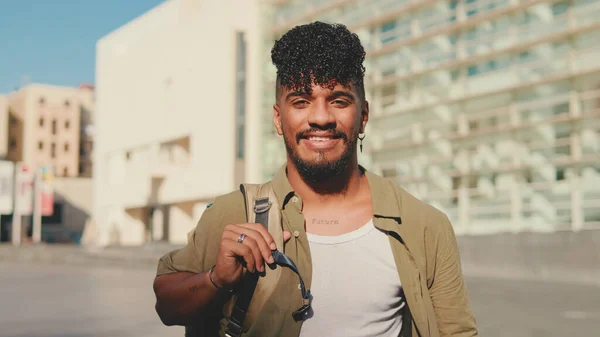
(78, 255)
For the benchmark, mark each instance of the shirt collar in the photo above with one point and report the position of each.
(283, 189)
(386, 203)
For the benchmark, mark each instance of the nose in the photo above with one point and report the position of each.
(321, 117)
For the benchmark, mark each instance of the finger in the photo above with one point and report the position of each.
(242, 251)
(250, 242)
(263, 231)
(257, 236)
(286, 236)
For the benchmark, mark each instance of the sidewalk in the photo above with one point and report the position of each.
(129, 257)
(566, 257)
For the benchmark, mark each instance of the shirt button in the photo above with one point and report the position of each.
(296, 234)
(294, 199)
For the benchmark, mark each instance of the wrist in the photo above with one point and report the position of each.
(215, 282)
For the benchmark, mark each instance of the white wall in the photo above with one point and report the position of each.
(166, 75)
(3, 126)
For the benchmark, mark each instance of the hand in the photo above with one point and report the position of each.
(254, 251)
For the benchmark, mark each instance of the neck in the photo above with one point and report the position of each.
(332, 189)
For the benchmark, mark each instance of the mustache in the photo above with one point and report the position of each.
(330, 133)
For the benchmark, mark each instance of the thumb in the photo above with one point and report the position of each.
(286, 236)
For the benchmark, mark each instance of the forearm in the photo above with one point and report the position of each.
(182, 296)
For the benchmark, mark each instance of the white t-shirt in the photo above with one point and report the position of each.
(355, 286)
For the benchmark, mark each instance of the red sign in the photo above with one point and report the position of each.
(47, 203)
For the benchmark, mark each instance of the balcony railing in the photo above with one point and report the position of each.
(488, 45)
(517, 76)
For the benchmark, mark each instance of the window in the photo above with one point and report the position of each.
(65, 171)
(67, 103)
(42, 100)
(472, 71)
(452, 6)
(387, 32)
(54, 127)
(53, 150)
(41, 121)
(66, 147)
(472, 7)
(40, 145)
(560, 174)
(67, 124)
(560, 7)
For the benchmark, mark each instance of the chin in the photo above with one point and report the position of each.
(321, 158)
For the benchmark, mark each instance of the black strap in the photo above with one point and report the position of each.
(248, 283)
(406, 330)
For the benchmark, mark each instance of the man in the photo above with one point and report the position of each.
(377, 261)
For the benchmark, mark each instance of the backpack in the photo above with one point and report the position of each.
(261, 207)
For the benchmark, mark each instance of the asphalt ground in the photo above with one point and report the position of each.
(61, 300)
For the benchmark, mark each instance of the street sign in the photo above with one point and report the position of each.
(47, 191)
(7, 170)
(25, 179)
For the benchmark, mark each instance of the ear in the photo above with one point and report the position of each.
(277, 119)
(364, 116)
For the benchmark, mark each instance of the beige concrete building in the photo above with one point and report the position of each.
(175, 117)
(487, 109)
(48, 126)
(44, 128)
(3, 127)
(86, 96)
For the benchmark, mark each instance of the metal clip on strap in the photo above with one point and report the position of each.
(283, 260)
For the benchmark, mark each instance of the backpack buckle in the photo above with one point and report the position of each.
(262, 205)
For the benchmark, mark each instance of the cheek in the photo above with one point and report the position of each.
(291, 124)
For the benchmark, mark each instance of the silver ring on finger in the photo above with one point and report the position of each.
(241, 238)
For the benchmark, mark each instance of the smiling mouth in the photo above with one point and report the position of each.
(320, 139)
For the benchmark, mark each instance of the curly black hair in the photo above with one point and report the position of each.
(320, 53)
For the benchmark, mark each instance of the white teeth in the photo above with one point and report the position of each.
(319, 139)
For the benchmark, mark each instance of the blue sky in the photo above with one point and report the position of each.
(54, 41)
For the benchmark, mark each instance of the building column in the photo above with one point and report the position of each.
(462, 124)
(463, 206)
(576, 203)
(574, 104)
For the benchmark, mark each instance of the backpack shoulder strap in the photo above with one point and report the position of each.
(261, 207)
(262, 204)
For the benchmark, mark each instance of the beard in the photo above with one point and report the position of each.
(322, 169)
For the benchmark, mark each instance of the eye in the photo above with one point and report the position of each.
(340, 103)
(300, 103)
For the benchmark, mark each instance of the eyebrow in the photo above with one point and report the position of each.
(334, 95)
(337, 94)
(295, 94)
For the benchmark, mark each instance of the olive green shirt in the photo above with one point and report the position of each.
(422, 241)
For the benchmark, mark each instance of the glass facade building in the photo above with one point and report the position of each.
(487, 109)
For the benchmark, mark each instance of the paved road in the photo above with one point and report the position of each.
(65, 301)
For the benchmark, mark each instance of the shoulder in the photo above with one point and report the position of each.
(228, 208)
(415, 213)
(429, 213)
